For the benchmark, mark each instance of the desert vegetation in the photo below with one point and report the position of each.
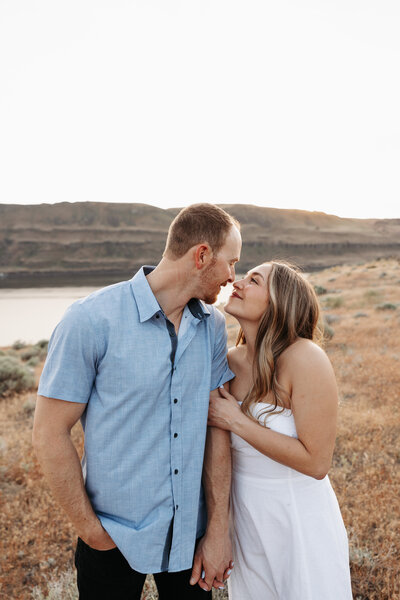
(361, 308)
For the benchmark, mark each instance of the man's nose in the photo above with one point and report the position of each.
(232, 274)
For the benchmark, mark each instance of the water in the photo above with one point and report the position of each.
(30, 314)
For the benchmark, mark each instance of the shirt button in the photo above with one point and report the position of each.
(176, 507)
(175, 400)
(175, 435)
(157, 316)
(176, 471)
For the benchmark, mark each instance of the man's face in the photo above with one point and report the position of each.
(222, 267)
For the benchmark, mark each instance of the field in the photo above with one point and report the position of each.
(361, 306)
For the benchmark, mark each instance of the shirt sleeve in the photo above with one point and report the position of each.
(70, 368)
(220, 371)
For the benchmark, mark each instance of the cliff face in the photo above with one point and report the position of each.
(82, 241)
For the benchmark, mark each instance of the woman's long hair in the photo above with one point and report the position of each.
(293, 312)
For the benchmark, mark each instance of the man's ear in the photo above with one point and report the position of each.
(202, 255)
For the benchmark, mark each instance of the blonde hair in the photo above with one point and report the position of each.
(293, 312)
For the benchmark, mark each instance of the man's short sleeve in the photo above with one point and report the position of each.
(70, 367)
(220, 371)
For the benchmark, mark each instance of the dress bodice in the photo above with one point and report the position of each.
(248, 460)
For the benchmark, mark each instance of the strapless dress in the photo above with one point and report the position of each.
(289, 539)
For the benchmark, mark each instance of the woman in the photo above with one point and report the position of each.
(289, 539)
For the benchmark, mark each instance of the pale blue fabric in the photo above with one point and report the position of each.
(113, 350)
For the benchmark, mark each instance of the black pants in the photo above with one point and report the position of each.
(106, 575)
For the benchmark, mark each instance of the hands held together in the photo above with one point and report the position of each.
(212, 563)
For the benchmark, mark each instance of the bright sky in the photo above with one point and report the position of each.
(288, 103)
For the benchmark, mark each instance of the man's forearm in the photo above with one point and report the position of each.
(60, 463)
(217, 477)
(213, 556)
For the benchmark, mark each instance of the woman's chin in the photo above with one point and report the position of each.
(229, 309)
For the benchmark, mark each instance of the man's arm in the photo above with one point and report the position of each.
(60, 463)
(214, 552)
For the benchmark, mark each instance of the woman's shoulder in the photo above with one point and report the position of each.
(305, 355)
(304, 368)
(236, 354)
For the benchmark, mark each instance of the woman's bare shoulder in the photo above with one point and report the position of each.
(306, 355)
(236, 354)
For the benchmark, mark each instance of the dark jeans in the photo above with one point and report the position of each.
(106, 575)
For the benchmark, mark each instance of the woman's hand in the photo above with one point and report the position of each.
(224, 411)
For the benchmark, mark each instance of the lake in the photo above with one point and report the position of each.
(30, 314)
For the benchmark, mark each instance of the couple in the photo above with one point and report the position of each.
(136, 362)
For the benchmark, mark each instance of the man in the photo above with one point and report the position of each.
(136, 362)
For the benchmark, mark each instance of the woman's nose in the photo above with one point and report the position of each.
(238, 283)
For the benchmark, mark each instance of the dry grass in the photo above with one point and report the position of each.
(37, 543)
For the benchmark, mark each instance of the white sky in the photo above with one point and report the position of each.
(290, 103)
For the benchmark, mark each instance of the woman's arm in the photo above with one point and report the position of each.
(314, 406)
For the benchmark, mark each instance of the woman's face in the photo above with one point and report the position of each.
(249, 299)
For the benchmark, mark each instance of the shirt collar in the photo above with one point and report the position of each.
(198, 309)
(147, 303)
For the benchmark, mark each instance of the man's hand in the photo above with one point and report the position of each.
(99, 539)
(212, 561)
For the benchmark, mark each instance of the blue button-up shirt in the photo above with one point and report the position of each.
(147, 393)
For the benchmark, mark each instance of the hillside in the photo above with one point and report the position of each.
(361, 304)
(86, 241)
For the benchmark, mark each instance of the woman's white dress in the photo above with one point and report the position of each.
(290, 542)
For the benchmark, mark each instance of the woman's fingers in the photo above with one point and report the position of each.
(225, 393)
(229, 570)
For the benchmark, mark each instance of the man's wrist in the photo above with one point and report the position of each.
(92, 532)
(218, 526)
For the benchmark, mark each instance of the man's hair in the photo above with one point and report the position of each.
(196, 224)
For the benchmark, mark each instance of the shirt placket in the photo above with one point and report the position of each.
(176, 437)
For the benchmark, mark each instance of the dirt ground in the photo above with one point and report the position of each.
(362, 307)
